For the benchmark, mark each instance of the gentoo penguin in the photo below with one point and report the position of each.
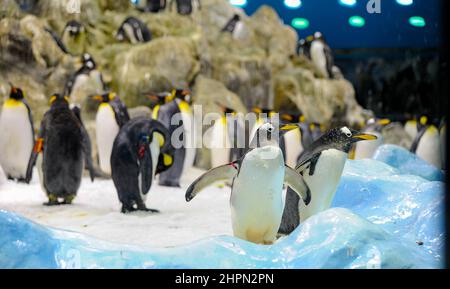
(234, 26)
(297, 139)
(74, 37)
(61, 150)
(112, 114)
(427, 143)
(365, 150)
(256, 194)
(141, 150)
(321, 166)
(134, 31)
(227, 138)
(175, 113)
(303, 48)
(443, 136)
(322, 55)
(185, 7)
(17, 135)
(153, 6)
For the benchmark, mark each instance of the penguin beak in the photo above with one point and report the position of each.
(97, 98)
(363, 136)
(384, 121)
(288, 127)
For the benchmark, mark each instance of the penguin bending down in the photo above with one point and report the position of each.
(321, 166)
(427, 143)
(112, 114)
(175, 113)
(256, 193)
(16, 141)
(322, 55)
(61, 151)
(134, 31)
(185, 7)
(366, 150)
(141, 150)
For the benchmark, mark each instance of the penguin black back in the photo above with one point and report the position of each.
(140, 32)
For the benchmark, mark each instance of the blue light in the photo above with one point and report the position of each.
(238, 3)
(135, 2)
(349, 3)
(292, 4)
(405, 2)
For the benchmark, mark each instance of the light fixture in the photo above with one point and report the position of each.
(292, 4)
(357, 21)
(405, 2)
(300, 23)
(238, 3)
(417, 21)
(349, 3)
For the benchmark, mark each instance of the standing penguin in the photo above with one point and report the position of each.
(321, 166)
(74, 37)
(16, 141)
(366, 150)
(427, 143)
(234, 26)
(141, 150)
(134, 31)
(153, 6)
(322, 55)
(61, 150)
(175, 113)
(185, 7)
(297, 139)
(256, 193)
(112, 114)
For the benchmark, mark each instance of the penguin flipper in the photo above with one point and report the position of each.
(87, 148)
(296, 182)
(220, 173)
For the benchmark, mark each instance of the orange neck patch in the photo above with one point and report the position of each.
(39, 145)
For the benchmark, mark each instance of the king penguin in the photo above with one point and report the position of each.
(175, 113)
(321, 166)
(16, 141)
(322, 55)
(256, 194)
(134, 31)
(366, 150)
(141, 150)
(61, 150)
(112, 114)
(297, 139)
(427, 143)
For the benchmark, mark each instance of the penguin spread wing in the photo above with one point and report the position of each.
(220, 173)
(296, 182)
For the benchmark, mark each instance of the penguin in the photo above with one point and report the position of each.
(61, 151)
(175, 113)
(443, 136)
(322, 55)
(410, 127)
(234, 26)
(316, 130)
(74, 37)
(112, 115)
(153, 6)
(185, 7)
(297, 139)
(57, 40)
(257, 182)
(73, 28)
(366, 150)
(226, 134)
(17, 139)
(426, 144)
(134, 31)
(141, 150)
(321, 166)
(304, 47)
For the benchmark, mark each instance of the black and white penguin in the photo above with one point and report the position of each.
(112, 114)
(153, 6)
(322, 55)
(185, 7)
(17, 135)
(234, 26)
(134, 31)
(57, 40)
(61, 151)
(141, 150)
(321, 166)
(73, 28)
(175, 113)
(257, 184)
(427, 143)
(366, 150)
(297, 139)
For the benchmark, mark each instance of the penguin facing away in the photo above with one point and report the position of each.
(256, 194)
(61, 150)
(16, 142)
(112, 114)
(321, 166)
(134, 31)
(427, 143)
(141, 150)
(366, 150)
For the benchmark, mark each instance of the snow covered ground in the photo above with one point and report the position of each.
(96, 212)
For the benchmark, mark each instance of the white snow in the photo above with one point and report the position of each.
(96, 212)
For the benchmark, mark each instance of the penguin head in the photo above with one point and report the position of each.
(263, 112)
(269, 134)
(105, 98)
(16, 93)
(74, 28)
(88, 61)
(342, 138)
(58, 99)
(183, 94)
(377, 124)
(160, 98)
(236, 17)
(319, 36)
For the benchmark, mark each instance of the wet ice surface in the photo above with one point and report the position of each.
(384, 212)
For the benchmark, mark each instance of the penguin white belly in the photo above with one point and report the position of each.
(318, 57)
(323, 183)
(189, 136)
(220, 144)
(239, 31)
(293, 145)
(106, 130)
(429, 148)
(366, 149)
(256, 199)
(16, 141)
(411, 129)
